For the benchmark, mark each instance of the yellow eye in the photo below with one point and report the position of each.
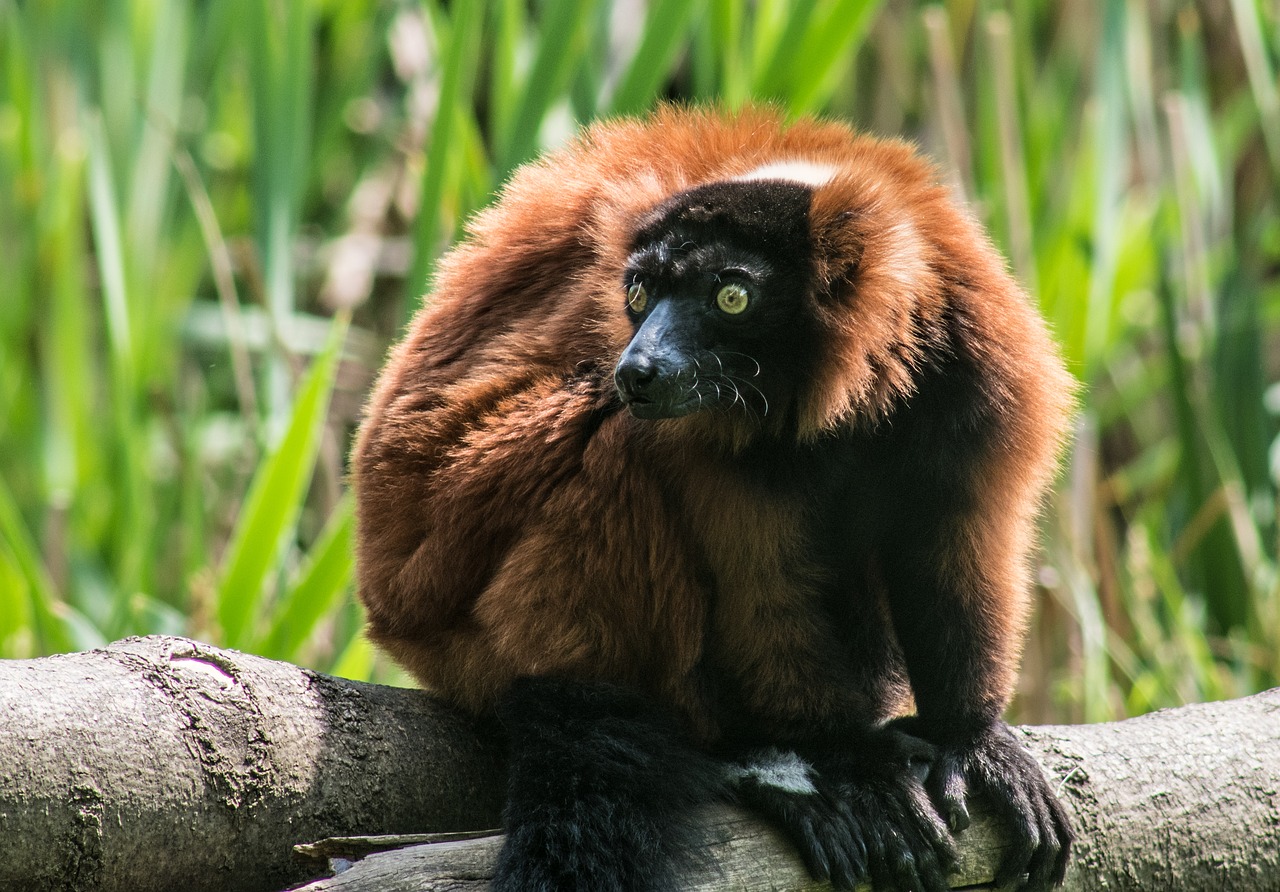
(637, 298)
(732, 299)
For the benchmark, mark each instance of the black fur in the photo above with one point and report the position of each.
(603, 794)
(868, 816)
(606, 787)
(687, 354)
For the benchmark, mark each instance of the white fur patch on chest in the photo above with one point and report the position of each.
(807, 173)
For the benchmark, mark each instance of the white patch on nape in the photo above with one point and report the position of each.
(782, 771)
(807, 173)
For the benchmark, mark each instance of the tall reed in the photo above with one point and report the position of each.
(214, 218)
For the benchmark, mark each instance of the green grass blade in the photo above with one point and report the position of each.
(723, 39)
(1109, 144)
(46, 608)
(666, 30)
(557, 55)
(133, 524)
(16, 636)
(585, 95)
(829, 45)
(462, 50)
(356, 660)
(275, 499)
(106, 228)
(324, 577)
(774, 73)
(1262, 75)
(69, 376)
(161, 116)
(280, 54)
(509, 23)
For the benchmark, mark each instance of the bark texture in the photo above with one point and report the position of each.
(748, 857)
(162, 763)
(1185, 798)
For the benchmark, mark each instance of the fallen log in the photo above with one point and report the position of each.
(161, 763)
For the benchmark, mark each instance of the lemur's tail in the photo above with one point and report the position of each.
(603, 792)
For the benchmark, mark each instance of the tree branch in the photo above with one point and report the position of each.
(161, 763)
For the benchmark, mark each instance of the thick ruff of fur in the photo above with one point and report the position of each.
(834, 531)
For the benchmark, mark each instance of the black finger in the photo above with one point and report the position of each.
(878, 864)
(813, 852)
(1017, 810)
(856, 850)
(949, 791)
(934, 852)
(915, 864)
(1066, 837)
(905, 870)
(935, 832)
(1040, 865)
(840, 845)
(844, 875)
(1048, 867)
(925, 873)
(909, 831)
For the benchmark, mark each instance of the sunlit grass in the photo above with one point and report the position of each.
(191, 194)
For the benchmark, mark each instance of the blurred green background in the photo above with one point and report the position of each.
(216, 214)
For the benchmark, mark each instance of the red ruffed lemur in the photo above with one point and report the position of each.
(711, 470)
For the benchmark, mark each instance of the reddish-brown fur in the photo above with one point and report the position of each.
(513, 521)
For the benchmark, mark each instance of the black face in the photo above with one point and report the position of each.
(715, 286)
